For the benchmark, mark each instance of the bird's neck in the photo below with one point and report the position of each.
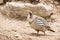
(30, 22)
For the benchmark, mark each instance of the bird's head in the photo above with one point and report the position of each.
(30, 16)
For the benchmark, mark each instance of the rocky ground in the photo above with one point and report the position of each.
(12, 29)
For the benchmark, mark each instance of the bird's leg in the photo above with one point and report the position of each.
(44, 33)
(37, 32)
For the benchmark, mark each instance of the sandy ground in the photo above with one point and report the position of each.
(17, 30)
(11, 29)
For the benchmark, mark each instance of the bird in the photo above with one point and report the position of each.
(38, 23)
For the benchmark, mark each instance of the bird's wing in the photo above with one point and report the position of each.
(39, 22)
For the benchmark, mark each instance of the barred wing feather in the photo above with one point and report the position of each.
(39, 22)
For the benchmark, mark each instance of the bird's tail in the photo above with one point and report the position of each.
(49, 29)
